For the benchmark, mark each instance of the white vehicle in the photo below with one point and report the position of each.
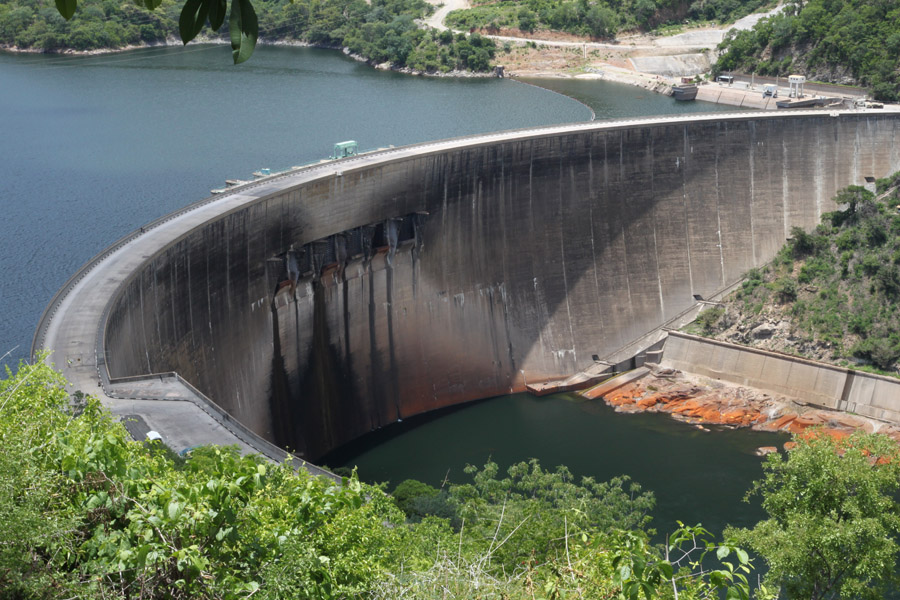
(770, 89)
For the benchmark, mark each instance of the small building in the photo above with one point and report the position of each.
(796, 82)
(345, 149)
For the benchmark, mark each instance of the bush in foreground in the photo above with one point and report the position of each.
(85, 512)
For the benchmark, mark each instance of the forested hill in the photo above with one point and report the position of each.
(840, 41)
(383, 31)
(599, 18)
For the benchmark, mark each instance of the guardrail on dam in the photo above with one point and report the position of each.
(325, 303)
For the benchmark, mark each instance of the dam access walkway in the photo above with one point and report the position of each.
(72, 327)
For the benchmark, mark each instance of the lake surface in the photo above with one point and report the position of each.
(95, 147)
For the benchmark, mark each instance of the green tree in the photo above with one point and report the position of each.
(601, 21)
(527, 19)
(33, 515)
(833, 518)
(410, 490)
(529, 513)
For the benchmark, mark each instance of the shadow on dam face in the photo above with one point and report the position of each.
(415, 280)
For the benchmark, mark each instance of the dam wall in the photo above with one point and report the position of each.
(320, 310)
(810, 382)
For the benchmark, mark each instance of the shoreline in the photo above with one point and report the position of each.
(702, 402)
(607, 72)
(173, 42)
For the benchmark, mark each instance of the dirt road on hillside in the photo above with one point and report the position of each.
(558, 54)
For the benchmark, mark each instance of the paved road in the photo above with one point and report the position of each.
(819, 89)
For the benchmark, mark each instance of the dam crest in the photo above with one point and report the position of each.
(307, 309)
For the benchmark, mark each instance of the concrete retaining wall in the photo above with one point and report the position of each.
(736, 97)
(519, 260)
(811, 382)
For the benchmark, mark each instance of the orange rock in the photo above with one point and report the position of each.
(763, 450)
(646, 403)
(709, 414)
(804, 422)
(619, 399)
(686, 406)
(852, 422)
(790, 445)
(738, 416)
(836, 434)
(783, 421)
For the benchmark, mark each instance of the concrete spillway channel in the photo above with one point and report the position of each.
(307, 309)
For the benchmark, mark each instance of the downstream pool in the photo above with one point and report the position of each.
(697, 476)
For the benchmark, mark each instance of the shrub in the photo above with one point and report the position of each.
(408, 491)
(785, 289)
(814, 269)
(832, 520)
(708, 318)
(802, 244)
(884, 353)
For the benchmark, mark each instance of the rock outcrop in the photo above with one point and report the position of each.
(700, 401)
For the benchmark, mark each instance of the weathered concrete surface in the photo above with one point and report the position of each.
(736, 97)
(680, 65)
(811, 382)
(458, 270)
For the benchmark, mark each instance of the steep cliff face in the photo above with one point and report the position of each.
(325, 309)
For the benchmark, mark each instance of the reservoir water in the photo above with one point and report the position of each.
(94, 147)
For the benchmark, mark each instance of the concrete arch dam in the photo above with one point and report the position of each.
(320, 305)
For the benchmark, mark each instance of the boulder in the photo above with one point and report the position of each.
(763, 331)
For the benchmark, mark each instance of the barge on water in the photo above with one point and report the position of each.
(685, 91)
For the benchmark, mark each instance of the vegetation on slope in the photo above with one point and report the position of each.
(87, 513)
(383, 31)
(837, 289)
(598, 19)
(841, 41)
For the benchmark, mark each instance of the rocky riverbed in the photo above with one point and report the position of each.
(704, 402)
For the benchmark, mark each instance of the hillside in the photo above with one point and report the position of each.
(384, 31)
(847, 42)
(831, 295)
(602, 19)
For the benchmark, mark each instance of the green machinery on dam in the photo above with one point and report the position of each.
(322, 304)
